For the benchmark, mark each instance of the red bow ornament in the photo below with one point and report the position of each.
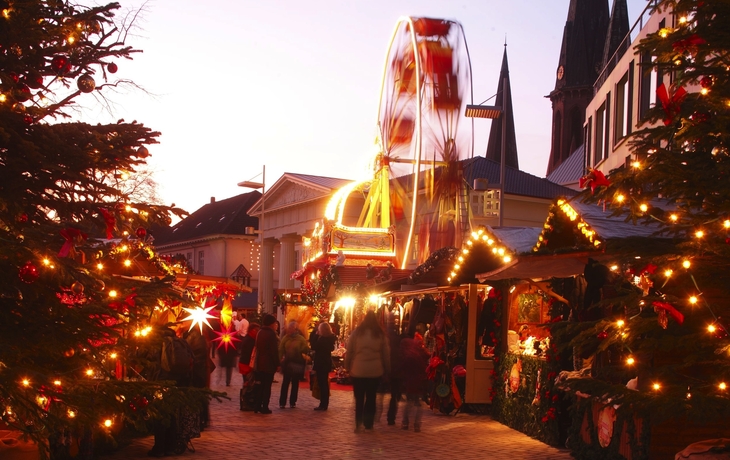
(676, 314)
(688, 44)
(109, 221)
(71, 235)
(670, 103)
(595, 179)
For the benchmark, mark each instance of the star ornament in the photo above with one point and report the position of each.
(226, 338)
(198, 316)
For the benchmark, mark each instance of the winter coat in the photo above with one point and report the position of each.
(267, 354)
(293, 347)
(367, 355)
(323, 348)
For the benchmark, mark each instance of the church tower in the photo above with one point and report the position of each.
(494, 146)
(581, 60)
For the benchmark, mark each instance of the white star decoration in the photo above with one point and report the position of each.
(199, 315)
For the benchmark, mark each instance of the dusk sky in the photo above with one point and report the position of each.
(234, 85)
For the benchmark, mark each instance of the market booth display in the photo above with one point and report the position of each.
(556, 386)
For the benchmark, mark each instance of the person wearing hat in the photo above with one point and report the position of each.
(266, 363)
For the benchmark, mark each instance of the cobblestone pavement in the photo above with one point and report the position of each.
(305, 433)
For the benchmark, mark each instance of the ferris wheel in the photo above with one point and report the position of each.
(422, 136)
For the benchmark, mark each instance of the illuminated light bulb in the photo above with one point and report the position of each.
(663, 32)
(3, 98)
(465, 251)
(137, 333)
(123, 248)
(507, 259)
(620, 198)
(6, 13)
(113, 293)
(668, 273)
(128, 208)
(704, 91)
(89, 372)
(71, 39)
(614, 268)
(453, 274)
(461, 259)
(374, 298)
(457, 266)
(644, 207)
(689, 395)
(693, 300)
(107, 423)
(636, 164)
(673, 217)
(620, 323)
(57, 382)
(46, 262)
(630, 361)
(71, 414)
(686, 263)
(494, 250)
(683, 20)
(25, 382)
(124, 175)
(481, 230)
(100, 266)
(449, 279)
(469, 243)
(699, 233)
(490, 242)
(500, 251)
(711, 328)
(125, 233)
(726, 224)
(656, 386)
(722, 386)
(474, 235)
(127, 263)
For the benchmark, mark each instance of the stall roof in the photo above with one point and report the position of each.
(518, 239)
(610, 227)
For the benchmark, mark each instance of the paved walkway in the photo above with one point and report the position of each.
(305, 433)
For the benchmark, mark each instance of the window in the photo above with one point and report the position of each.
(485, 203)
(623, 110)
(599, 130)
(649, 82)
(201, 262)
(189, 257)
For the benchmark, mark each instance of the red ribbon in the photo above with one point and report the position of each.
(670, 104)
(595, 179)
(676, 314)
(110, 222)
(70, 234)
(688, 44)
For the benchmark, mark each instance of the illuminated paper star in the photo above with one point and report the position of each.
(227, 312)
(226, 338)
(199, 316)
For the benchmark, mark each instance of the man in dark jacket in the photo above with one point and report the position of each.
(266, 363)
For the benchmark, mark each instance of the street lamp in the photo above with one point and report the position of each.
(494, 112)
(259, 185)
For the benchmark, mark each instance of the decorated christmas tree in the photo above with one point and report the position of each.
(660, 347)
(83, 296)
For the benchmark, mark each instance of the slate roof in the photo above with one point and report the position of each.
(227, 216)
(516, 182)
(571, 170)
(329, 182)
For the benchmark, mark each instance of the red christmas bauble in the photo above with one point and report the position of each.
(34, 80)
(141, 233)
(23, 218)
(141, 402)
(706, 82)
(69, 353)
(28, 119)
(602, 335)
(22, 93)
(14, 76)
(28, 273)
(112, 67)
(77, 288)
(59, 63)
(86, 83)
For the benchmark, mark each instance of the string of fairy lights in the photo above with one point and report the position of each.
(484, 237)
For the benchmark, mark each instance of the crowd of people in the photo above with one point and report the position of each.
(378, 360)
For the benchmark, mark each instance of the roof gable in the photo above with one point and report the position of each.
(293, 188)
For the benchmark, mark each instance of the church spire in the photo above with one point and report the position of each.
(617, 42)
(494, 146)
(581, 58)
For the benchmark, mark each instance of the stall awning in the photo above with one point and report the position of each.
(536, 267)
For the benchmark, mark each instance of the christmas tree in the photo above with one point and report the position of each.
(80, 329)
(664, 321)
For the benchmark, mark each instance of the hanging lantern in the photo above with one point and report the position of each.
(86, 83)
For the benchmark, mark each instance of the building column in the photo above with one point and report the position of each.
(266, 276)
(286, 260)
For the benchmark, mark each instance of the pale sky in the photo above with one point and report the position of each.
(293, 84)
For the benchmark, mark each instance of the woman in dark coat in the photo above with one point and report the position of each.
(323, 344)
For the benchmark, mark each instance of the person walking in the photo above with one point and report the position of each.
(413, 360)
(396, 373)
(292, 350)
(367, 359)
(323, 344)
(266, 363)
